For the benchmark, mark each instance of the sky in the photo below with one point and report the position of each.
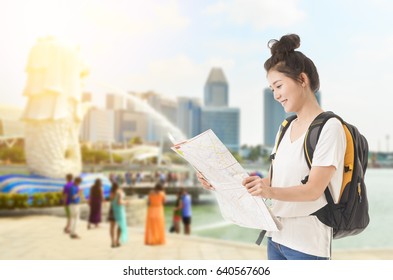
(169, 46)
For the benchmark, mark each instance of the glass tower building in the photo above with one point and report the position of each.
(216, 89)
(216, 115)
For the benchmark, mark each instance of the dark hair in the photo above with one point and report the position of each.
(114, 187)
(69, 177)
(291, 63)
(183, 190)
(96, 188)
(158, 187)
(77, 180)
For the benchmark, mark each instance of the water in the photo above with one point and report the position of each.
(143, 106)
(207, 220)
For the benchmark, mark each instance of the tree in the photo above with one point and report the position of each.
(255, 153)
(13, 154)
(237, 156)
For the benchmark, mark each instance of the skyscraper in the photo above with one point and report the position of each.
(129, 124)
(189, 116)
(97, 126)
(114, 101)
(167, 107)
(216, 89)
(216, 114)
(225, 122)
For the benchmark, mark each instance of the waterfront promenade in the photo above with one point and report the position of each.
(40, 237)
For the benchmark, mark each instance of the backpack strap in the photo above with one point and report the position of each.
(311, 140)
(283, 128)
(313, 133)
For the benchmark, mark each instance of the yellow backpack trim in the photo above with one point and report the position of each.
(348, 160)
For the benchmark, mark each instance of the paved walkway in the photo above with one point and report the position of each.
(41, 238)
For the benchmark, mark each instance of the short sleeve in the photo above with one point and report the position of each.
(331, 145)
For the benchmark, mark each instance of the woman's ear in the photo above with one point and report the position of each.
(304, 79)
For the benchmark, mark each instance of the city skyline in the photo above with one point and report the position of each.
(170, 46)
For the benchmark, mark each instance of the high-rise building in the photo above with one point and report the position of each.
(189, 116)
(225, 122)
(130, 124)
(98, 126)
(273, 115)
(114, 101)
(216, 89)
(164, 105)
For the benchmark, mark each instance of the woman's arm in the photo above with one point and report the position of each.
(79, 193)
(327, 157)
(121, 200)
(318, 180)
(65, 198)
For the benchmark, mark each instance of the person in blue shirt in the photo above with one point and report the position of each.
(186, 212)
(75, 197)
(66, 201)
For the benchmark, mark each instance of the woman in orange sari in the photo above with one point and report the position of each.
(155, 221)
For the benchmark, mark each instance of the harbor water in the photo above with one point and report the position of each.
(208, 222)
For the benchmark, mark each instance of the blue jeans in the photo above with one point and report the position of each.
(277, 251)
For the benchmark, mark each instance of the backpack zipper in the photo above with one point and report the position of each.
(360, 192)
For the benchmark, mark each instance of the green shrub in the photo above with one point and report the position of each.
(8, 200)
(4, 197)
(21, 200)
(53, 198)
(39, 200)
(15, 200)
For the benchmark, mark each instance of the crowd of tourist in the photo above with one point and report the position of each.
(155, 225)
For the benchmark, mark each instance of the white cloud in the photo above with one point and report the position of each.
(259, 14)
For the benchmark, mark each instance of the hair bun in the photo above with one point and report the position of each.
(287, 44)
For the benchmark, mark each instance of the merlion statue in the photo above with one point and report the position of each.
(53, 113)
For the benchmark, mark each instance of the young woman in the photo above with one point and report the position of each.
(155, 219)
(117, 216)
(96, 198)
(294, 81)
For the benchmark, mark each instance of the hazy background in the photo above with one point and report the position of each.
(169, 46)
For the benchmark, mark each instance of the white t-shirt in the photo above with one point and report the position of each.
(302, 231)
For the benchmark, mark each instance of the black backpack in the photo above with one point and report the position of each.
(349, 216)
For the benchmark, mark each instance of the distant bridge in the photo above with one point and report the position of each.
(145, 188)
